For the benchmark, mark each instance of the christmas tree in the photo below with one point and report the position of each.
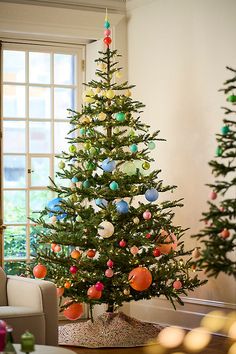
(219, 233)
(104, 240)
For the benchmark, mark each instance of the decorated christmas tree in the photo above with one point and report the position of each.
(108, 237)
(219, 233)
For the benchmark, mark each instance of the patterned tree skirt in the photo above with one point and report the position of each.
(108, 330)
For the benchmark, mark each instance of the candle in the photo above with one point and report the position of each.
(27, 342)
(3, 333)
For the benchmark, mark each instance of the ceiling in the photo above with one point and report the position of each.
(118, 6)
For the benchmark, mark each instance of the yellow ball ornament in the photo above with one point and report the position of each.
(97, 90)
(118, 74)
(102, 116)
(88, 99)
(128, 93)
(89, 92)
(110, 94)
(85, 120)
(102, 66)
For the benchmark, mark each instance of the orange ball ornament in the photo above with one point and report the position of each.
(140, 278)
(171, 243)
(53, 245)
(40, 271)
(67, 285)
(225, 233)
(74, 311)
(91, 253)
(93, 293)
(60, 291)
(57, 248)
(75, 254)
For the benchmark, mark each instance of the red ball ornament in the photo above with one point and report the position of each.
(177, 285)
(109, 273)
(107, 40)
(225, 233)
(122, 243)
(134, 250)
(99, 286)
(171, 244)
(40, 271)
(93, 293)
(73, 269)
(91, 253)
(140, 278)
(156, 252)
(148, 236)
(213, 195)
(107, 32)
(73, 312)
(147, 215)
(110, 263)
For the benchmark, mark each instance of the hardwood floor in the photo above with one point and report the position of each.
(218, 345)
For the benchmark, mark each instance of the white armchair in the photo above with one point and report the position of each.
(29, 304)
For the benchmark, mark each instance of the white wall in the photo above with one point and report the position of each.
(177, 53)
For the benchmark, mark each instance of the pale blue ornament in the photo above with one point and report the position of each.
(108, 165)
(151, 194)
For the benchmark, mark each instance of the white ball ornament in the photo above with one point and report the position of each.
(102, 116)
(106, 229)
(136, 220)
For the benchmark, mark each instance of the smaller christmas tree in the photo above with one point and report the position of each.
(219, 233)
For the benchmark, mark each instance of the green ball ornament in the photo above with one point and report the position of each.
(219, 151)
(129, 168)
(90, 166)
(116, 130)
(93, 151)
(225, 129)
(151, 145)
(107, 24)
(132, 133)
(86, 183)
(120, 117)
(78, 218)
(82, 131)
(231, 98)
(61, 164)
(72, 148)
(113, 186)
(87, 145)
(146, 165)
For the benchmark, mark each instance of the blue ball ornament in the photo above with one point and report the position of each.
(225, 129)
(151, 194)
(122, 207)
(151, 145)
(133, 148)
(113, 186)
(74, 180)
(53, 206)
(120, 116)
(101, 202)
(82, 131)
(108, 165)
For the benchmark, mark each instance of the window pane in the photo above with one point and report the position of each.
(39, 102)
(14, 136)
(39, 137)
(15, 242)
(39, 68)
(14, 171)
(40, 167)
(14, 207)
(63, 99)
(13, 101)
(15, 268)
(64, 69)
(38, 201)
(61, 133)
(13, 66)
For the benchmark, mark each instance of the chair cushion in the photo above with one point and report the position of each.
(18, 311)
(3, 288)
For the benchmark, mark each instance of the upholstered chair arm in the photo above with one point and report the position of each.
(39, 295)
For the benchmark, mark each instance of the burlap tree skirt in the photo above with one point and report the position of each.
(108, 330)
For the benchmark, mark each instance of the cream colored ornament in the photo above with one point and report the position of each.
(102, 116)
(85, 120)
(88, 99)
(126, 291)
(78, 184)
(118, 74)
(196, 253)
(136, 220)
(128, 93)
(53, 219)
(110, 94)
(97, 90)
(72, 186)
(106, 229)
(102, 66)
